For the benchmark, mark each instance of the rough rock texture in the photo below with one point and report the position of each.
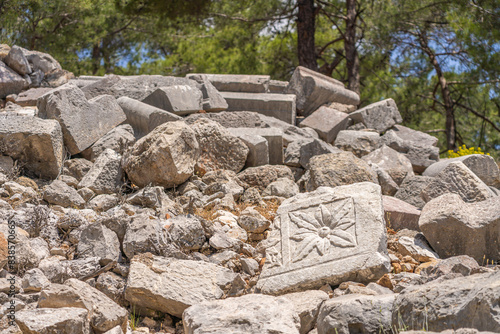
(10, 81)
(143, 235)
(59, 193)
(282, 187)
(395, 164)
(483, 166)
(464, 302)
(219, 149)
(165, 157)
(411, 188)
(170, 285)
(454, 227)
(336, 169)
(186, 232)
(419, 147)
(358, 142)
(356, 314)
(99, 241)
(380, 115)
(458, 179)
(307, 304)
(65, 320)
(178, 99)
(298, 153)
(332, 235)
(104, 177)
(82, 122)
(36, 143)
(262, 176)
(103, 312)
(118, 139)
(252, 314)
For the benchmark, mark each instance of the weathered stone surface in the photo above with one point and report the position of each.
(462, 265)
(58, 271)
(143, 235)
(252, 314)
(118, 140)
(219, 149)
(400, 215)
(260, 177)
(101, 86)
(17, 61)
(395, 164)
(77, 168)
(326, 236)
(170, 285)
(258, 150)
(212, 100)
(99, 241)
(236, 82)
(252, 221)
(104, 177)
(143, 117)
(59, 193)
(42, 61)
(290, 132)
(10, 81)
(36, 143)
(416, 247)
(463, 302)
(458, 179)
(102, 202)
(389, 187)
(273, 136)
(380, 115)
(30, 97)
(82, 122)
(113, 286)
(103, 312)
(454, 227)
(282, 187)
(336, 169)
(483, 166)
(178, 99)
(186, 232)
(419, 147)
(280, 106)
(231, 119)
(165, 157)
(277, 86)
(327, 122)
(300, 152)
(356, 314)
(307, 304)
(34, 280)
(314, 90)
(358, 142)
(65, 320)
(411, 188)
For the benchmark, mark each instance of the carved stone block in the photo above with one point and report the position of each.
(326, 236)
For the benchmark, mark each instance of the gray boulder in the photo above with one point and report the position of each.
(104, 177)
(36, 143)
(17, 61)
(169, 285)
(99, 241)
(143, 235)
(118, 140)
(64, 320)
(327, 122)
(395, 164)
(298, 153)
(456, 178)
(454, 227)
(463, 302)
(411, 188)
(165, 157)
(380, 115)
(358, 142)
(59, 193)
(82, 122)
(283, 187)
(178, 99)
(186, 232)
(219, 149)
(251, 314)
(356, 314)
(10, 81)
(307, 305)
(261, 176)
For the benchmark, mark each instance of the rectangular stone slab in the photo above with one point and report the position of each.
(280, 106)
(237, 82)
(329, 236)
(274, 137)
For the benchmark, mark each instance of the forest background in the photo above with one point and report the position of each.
(439, 60)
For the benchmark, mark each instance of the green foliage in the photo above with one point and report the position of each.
(463, 150)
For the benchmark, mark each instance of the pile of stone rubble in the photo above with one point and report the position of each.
(233, 204)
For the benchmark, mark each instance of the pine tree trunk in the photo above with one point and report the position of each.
(305, 34)
(351, 52)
